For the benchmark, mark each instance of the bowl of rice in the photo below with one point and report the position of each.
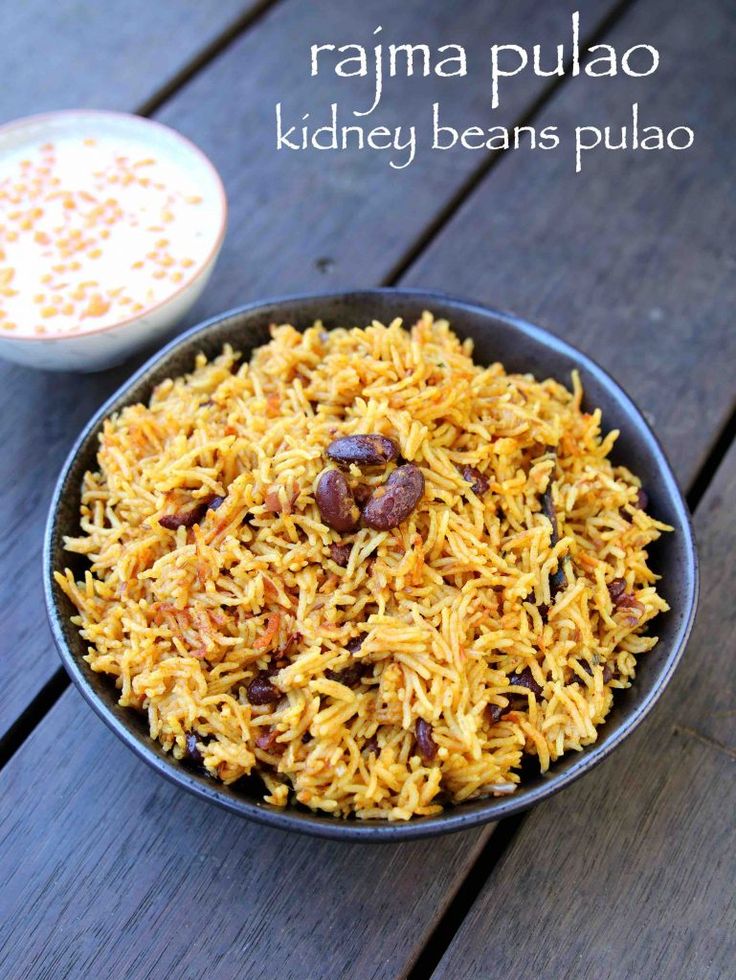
(370, 565)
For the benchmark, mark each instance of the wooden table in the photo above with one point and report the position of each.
(108, 871)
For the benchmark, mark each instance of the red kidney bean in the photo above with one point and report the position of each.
(355, 644)
(273, 504)
(396, 499)
(262, 691)
(642, 499)
(350, 676)
(525, 679)
(365, 450)
(495, 713)
(622, 599)
(548, 509)
(478, 483)
(607, 673)
(426, 744)
(335, 501)
(616, 588)
(267, 741)
(193, 749)
(340, 553)
(187, 517)
(557, 580)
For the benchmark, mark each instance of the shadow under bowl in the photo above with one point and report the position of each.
(521, 347)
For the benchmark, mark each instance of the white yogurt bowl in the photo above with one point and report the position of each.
(41, 323)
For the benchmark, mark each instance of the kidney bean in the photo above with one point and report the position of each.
(525, 679)
(616, 588)
(607, 673)
(426, 745)
(262, 691)
(350, 676)
(355, 644)
(365, 450)
(189, 516)
(478, 483)
(557, 580)
(622, 599)
(335, 501)
(548, 509)
(396, 499)
(340, 553)
(641, 502)
(495, 712)
(267, 741)
(273, 504)
(193, 749)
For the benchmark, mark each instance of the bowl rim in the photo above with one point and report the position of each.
(452, 819)
(197, 269)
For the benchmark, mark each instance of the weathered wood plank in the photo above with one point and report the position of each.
(631, 871)
(286, 213)
(633, 259)
(127, 875)
(327, 219)
(81, 53)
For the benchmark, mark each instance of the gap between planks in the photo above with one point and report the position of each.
(208, 54)
(491, 160)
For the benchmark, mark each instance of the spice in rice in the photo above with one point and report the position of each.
(379, 671)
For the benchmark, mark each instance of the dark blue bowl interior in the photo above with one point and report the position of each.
(497, 337)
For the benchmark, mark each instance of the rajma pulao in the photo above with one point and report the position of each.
(393, 665)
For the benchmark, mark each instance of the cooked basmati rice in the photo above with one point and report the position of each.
(456, 607)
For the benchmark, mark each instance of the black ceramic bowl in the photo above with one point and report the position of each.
(497, 336)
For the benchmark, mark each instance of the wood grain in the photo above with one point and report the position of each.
(80, 53)
(633, 259)
(287, 214)
(630, 873)
(128, 876)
